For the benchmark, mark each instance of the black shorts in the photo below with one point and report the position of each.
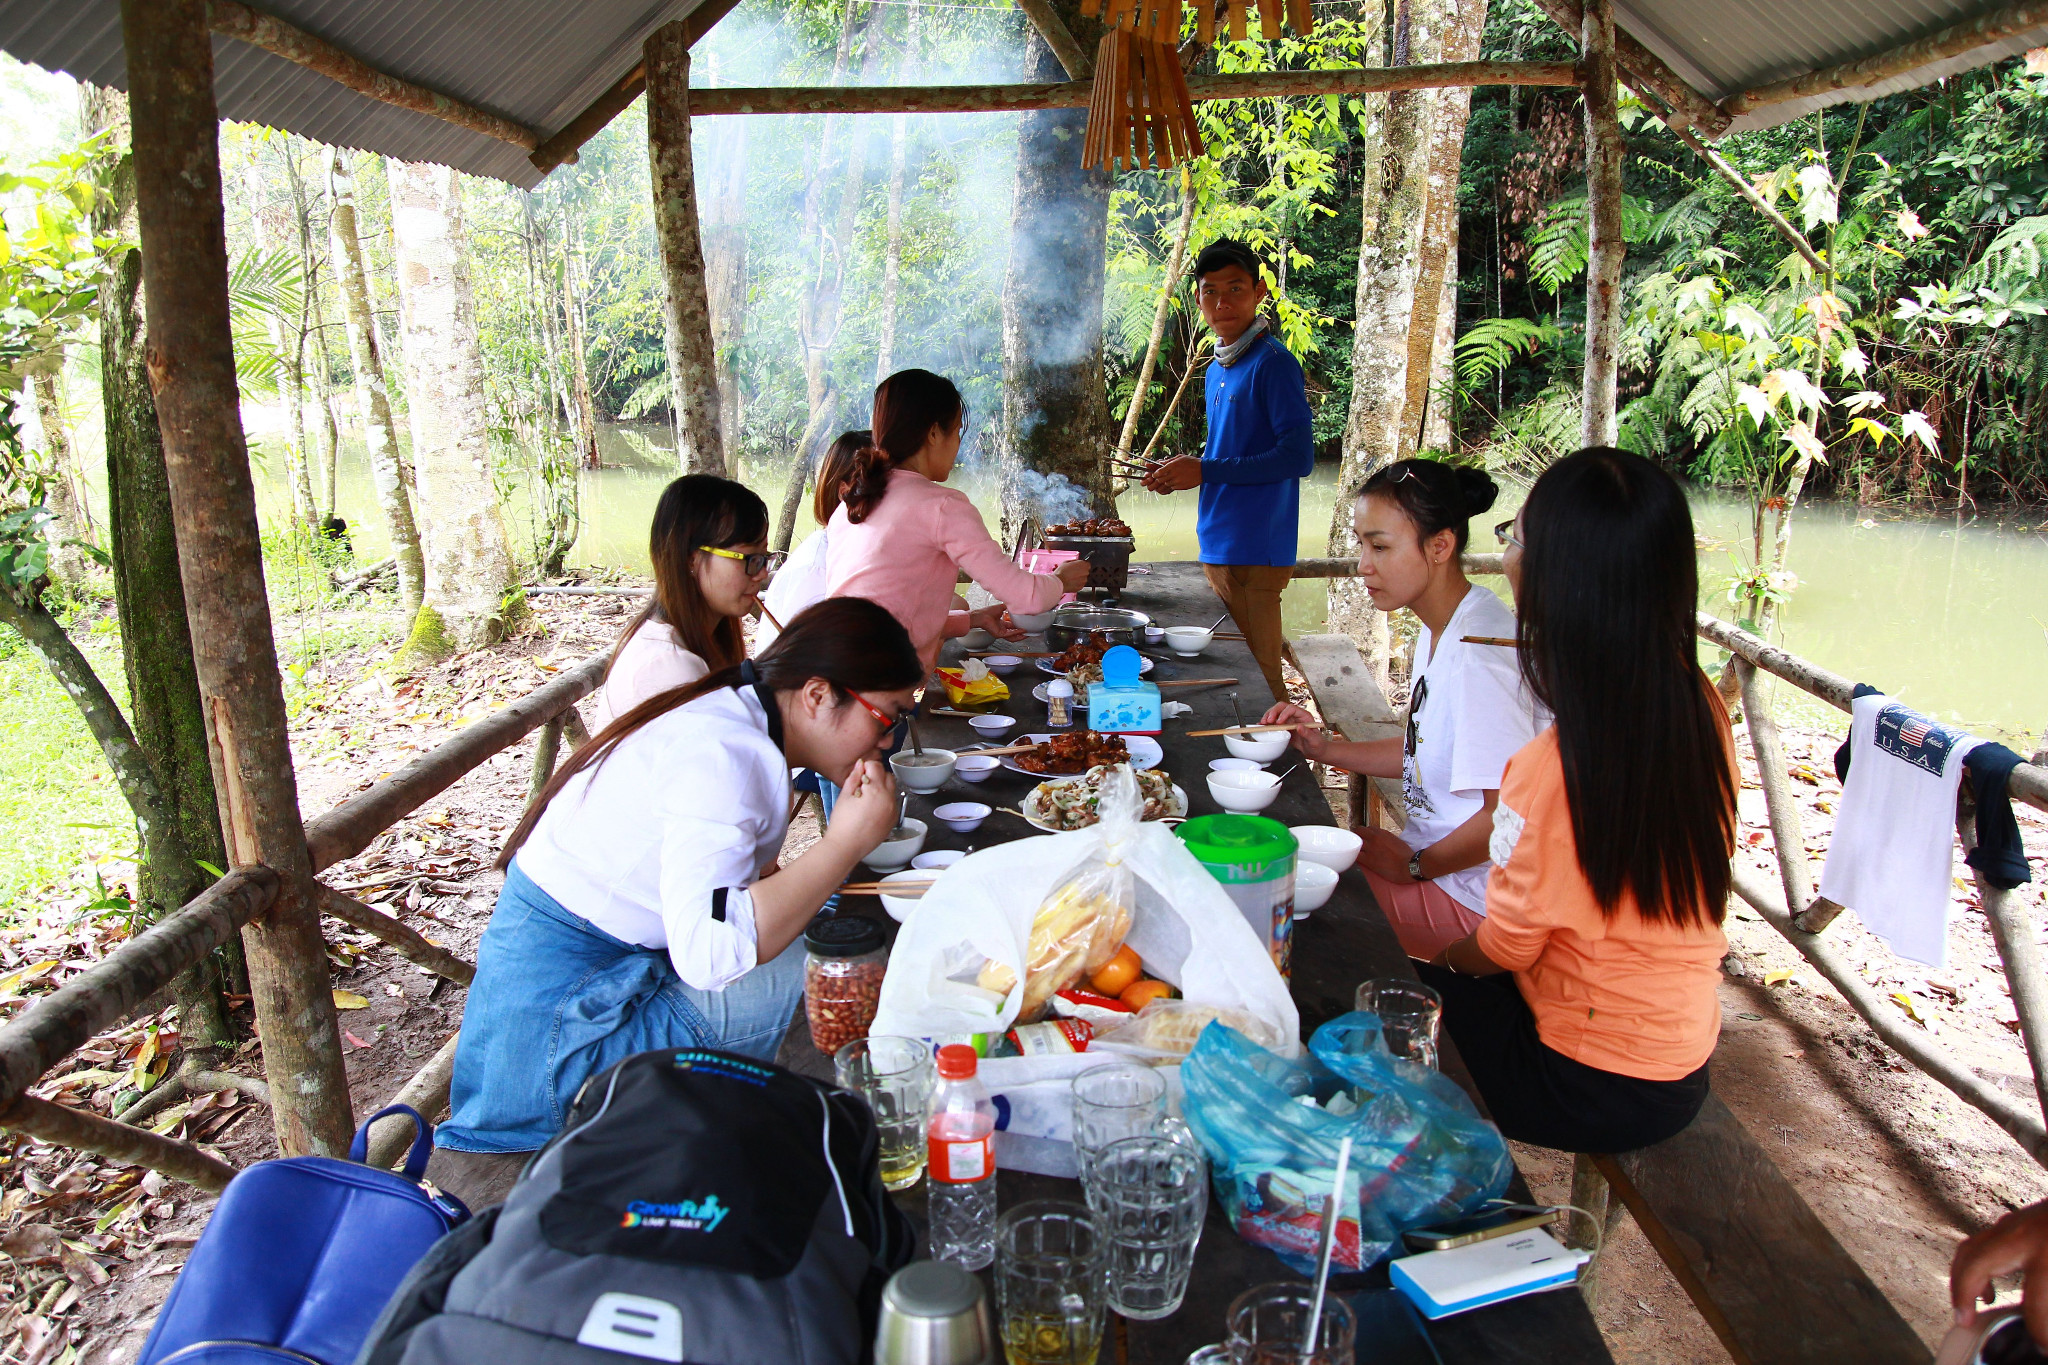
(1540, 1096)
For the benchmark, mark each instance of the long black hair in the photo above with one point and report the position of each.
(1608, 590)
(694, 511)
(908, 404)
(1434, 495)
(850, 642)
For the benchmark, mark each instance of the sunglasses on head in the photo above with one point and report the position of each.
(754, 564)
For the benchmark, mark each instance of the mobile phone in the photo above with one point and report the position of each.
(1498, 1221)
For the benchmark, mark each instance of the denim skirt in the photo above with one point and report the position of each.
(557, 1000)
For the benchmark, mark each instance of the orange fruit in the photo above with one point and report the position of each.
(1117, 973)
(1143, 992)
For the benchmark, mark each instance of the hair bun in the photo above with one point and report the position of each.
(1476, 488)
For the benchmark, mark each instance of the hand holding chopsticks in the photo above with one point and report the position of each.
(1254, 729)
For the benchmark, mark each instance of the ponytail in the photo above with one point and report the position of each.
(908, 404)
(850, 642)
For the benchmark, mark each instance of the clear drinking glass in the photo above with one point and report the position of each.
(1121, 1100)
(1052, 1283)
(1268, 1323)
(895, 1076)
(1410, 1015)
(1149, 1196)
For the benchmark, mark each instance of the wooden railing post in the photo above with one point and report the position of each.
(191, 362)
(1598, 75)
(2012, 930)
(546, 749)
(686, 310)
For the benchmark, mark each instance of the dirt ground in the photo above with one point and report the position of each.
(1894, 1164)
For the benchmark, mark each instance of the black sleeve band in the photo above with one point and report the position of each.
(718, 903)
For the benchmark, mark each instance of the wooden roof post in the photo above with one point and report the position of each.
(686, 308)
(1604, 152)
(213, 503)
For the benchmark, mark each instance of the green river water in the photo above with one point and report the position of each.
(1949, 614)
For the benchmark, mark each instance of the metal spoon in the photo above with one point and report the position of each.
(1235, 711)
(1283, 777)
(1219, 623)
(916, 744)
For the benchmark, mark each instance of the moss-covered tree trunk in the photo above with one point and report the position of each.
(373, 399)
(1055, 413)
(156, 635)
(66, 495)
(470, 574)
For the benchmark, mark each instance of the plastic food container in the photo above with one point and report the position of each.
(1253, 858)
(844, 960)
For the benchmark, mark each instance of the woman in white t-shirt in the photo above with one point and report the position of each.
(709, 545)
(1468, 710)
(801, 580)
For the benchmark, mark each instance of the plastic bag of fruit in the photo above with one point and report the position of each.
(1006, 929)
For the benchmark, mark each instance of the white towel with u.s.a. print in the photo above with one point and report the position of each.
(1893, 851)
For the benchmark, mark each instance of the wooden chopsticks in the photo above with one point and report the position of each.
(1254, 729)
(908, 891)
(1199, 682)
(1487, 640)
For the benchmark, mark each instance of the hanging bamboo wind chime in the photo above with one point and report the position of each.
(1139, 111)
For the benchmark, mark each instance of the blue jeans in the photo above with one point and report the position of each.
(556, 1000)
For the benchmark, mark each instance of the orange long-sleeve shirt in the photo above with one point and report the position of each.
(1618, 993)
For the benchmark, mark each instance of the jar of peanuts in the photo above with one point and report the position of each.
(843, 964)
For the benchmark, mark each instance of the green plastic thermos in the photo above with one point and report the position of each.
(1254, 859)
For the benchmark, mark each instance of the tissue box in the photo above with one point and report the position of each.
(1123, 703)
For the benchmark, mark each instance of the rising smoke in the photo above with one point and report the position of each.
(1050, 498)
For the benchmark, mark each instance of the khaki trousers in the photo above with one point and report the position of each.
(1252, 592)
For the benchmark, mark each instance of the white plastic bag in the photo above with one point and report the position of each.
(1184, 926)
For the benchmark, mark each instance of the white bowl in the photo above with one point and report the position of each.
(891, 854)
(1258, 748)
(1188, 641)
(1003, 665)
(924, 777)
(975, 767)
(1244, 792)
(977, 639)
(962, 817)
(1313, 886)
(1233, 765)
(1334, 848)
(1032, 622)
(991, 725)
(899, 907)
(936, 859)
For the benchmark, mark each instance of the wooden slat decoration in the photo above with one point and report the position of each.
(1140, 111)
(1765, 1272)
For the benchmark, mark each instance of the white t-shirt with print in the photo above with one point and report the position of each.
(1468, 713)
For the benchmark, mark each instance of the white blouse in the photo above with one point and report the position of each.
(652, 662)
(659, 843)
(799, 584)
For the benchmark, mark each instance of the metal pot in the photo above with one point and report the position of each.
(1071, 625)
(935, 1313)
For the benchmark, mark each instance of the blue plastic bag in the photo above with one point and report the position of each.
(1420, 1152)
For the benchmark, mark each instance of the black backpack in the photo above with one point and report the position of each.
(696, 1206)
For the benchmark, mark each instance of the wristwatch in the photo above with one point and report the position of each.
(1415, 866)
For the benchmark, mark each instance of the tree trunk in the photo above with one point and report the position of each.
(1606, 246)
(818, 311)
(373, 399)
(892, 253)
(191, 362)
(469, 561)
(66, 492)
(156, 634)
(272, 228)
(1142, 390)
(1055, 413)
(686, 312)
(316, 431)
(579, 365)
(725, 270)
(560, 489)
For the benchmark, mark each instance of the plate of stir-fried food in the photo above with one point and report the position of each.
(1069, 803)
(1081, 662)
(1062, 755)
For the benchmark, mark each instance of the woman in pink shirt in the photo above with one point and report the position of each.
(901, 538)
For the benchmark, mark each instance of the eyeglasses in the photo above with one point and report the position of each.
(755, 564)
(890, 728)
(1505, 534)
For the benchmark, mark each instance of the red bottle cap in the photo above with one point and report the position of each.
(956, 1061)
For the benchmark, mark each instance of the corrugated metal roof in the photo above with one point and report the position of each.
(537, 62)
(1724, 47)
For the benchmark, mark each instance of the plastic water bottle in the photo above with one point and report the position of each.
(961, 1163)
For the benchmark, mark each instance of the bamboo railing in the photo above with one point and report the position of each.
(1803, 917)
(56, 1025)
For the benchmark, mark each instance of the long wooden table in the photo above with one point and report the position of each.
(1344, 943)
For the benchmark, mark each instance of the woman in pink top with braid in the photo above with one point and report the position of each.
(901, 538)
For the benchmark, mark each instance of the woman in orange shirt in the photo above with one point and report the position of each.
(1613, 831)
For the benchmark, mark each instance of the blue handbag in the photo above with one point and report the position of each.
(299, 1257)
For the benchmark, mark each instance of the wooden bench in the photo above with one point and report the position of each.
(1763, 1270)
(1349, 697)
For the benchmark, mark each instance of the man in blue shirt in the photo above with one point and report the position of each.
(1260, 448)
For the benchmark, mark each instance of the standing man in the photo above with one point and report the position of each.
(1259, 450)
